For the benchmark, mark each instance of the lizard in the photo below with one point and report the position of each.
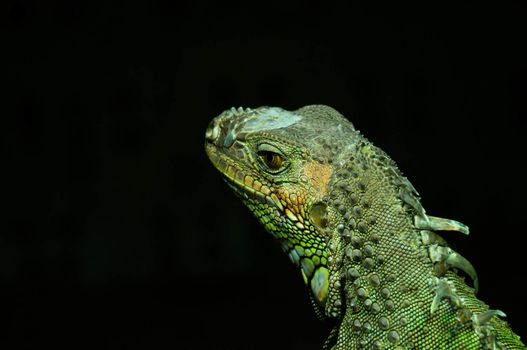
(374, 263)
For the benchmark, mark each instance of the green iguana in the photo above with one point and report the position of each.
(355, 227)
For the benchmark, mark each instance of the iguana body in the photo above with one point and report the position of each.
(355, 227)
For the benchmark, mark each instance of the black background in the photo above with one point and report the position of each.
(119, 234)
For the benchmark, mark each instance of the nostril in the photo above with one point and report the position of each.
(213, 131)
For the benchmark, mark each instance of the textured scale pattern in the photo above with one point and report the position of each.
(355, 227)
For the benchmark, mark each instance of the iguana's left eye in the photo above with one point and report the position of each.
(271, 159)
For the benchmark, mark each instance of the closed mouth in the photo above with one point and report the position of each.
(235, 175)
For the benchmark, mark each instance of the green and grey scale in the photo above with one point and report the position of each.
(354, 225)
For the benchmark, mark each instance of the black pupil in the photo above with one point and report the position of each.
(271, 159)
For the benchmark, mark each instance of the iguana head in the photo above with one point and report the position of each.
(280, 163)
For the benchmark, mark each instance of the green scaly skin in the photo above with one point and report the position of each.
(354, 225)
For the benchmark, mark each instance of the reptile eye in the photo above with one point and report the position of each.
(271, 159)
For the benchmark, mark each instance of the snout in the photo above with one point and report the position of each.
(213, 131)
